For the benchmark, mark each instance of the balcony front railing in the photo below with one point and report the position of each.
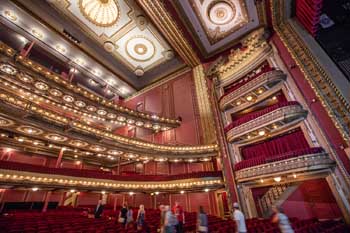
(267, 80)
(277, 114)
(302, 161)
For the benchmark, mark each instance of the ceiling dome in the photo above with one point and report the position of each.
(103, 13)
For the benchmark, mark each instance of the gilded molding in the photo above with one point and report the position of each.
(203, 101)
(337, 107)
(255, 50)
(160, 17)
(305, 163)
(64, 181)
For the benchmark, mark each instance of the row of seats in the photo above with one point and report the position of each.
(78, 220)
(274, 158)
(253, 115)
(102, 174)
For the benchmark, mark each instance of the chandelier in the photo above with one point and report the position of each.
(103, 13)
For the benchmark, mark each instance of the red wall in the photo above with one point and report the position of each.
(325, 122)
(172, 99)
(313, 198)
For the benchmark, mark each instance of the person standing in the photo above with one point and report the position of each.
(238, 216)
(282, 220)
(129, 217)
(141, 214)
(202, 221)
(170, 220)
(162, 218)
(180, 216)
(99, 209)
(122, 215)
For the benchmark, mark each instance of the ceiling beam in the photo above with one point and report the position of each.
(156, 10)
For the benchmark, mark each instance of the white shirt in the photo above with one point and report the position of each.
(238, 216)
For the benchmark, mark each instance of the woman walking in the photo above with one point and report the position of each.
(141, 214)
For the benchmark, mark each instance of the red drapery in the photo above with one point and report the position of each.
(255, 161)
(308, 13)
(276, 146)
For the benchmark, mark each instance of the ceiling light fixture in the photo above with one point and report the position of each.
(262, 132)
(277, 179)
(206, 190)
(10, 15)
(34, 189)
(249, 98)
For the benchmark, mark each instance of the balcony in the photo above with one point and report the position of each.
(248, 93)
(20, 173)
(302, 161)
(270, 120)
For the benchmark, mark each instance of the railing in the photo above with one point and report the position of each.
(306, 162)
(271, 196)
(262, 79)
(101, 174)
(275, 113)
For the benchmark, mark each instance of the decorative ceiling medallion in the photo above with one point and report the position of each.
(68, 98)
(10, 15)
(221, 12)
(139, 72)
(29, 130)
(78, 143)
(121, 118)
(139, 123)
(25, 78)
(111, 115)
(140, 48)
(109, 46)
(56, 137)
(97, 148)
(55, 92)
(80, 104)
(91, 108)
(41, 86)
(8, 69)
(102, 13)
(115, 152)
(101, 112)
(219, 19)
(5, 122)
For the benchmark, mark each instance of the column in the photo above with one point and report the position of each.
(46, 202)
(59, 159)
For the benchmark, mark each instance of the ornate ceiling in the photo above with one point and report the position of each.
(216, 24)
(122, 29)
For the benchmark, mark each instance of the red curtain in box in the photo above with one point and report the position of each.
(308, 13)
(276, 146)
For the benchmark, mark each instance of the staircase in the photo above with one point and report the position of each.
(276, 195)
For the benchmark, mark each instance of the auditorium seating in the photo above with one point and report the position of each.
(273, 158)
(253, 115)
(69, 220)
(102, 174)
